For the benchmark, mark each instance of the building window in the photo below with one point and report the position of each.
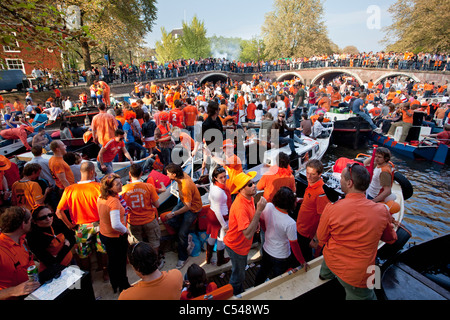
(12, 49)
(15, 64)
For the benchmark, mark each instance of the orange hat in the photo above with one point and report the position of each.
(229, 118)
(134, 104)
(228, 143)
(5, 163)
(164, 116)
(356, 94)
(240, 180)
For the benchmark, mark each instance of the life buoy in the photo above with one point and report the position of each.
(407, 188)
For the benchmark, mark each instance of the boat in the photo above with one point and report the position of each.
(423, 149)
(420, 272)
(353, 132)
(79, 117)
(298, 284)
(311, 149)
(9, 148)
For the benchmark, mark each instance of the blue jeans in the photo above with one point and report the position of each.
(133, 147)
(109, 167)
(182, 223)
(366, 117)
(238, 264)
(269, 263)
(289, 141)
(298, 116)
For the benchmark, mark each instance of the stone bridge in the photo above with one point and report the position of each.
(315, 75)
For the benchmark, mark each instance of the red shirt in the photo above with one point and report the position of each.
(176, 118)
(251, 111)
(112, 147)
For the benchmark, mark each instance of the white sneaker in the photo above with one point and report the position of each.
(377, 130)
(180, 264)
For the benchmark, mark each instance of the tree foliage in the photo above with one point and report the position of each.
(252, 50)
(194, 43)
(419, 25)
(295, 29)
(169, 48)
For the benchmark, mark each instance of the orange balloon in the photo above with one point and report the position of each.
(393, 206)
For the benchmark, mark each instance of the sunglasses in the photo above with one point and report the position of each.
(44, 217)
(349, 168)
(250, 184)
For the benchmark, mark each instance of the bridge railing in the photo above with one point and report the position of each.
(174, 73)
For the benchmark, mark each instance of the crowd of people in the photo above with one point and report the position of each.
(62, 212)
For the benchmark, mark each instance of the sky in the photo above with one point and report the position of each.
(349, 22)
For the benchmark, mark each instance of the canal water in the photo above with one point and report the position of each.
(427, 212)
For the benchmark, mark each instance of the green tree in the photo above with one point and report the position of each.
(169, 48)
(419, 26)
(252, 50)
(295, 29)
(194, 43)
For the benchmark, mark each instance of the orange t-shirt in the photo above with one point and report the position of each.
(140, 197)
(190, 115)
(57, 165)
(189, 193)
(324, 103)
(314, 201)
(274, 179)
(240, 102)
(14, 259)
(166, 287)
(81, 201)
(105, 126)
(350, 231)
(406, 118)
(335, 99)
(26, 193)
(104, 208)
(241, 214)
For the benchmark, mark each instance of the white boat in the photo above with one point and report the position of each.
(312, 149)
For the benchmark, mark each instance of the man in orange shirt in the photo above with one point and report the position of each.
(190, 113)
(313, 203)
(142, 200)
(243, 223)
(406, 123)
(26, 192)
(15, 257)
(154, 284)
(186, 211)
(350, 231)
(251, 108)
(103, 126)
(80, 200)
(335, 98)
(61, 172)
(176, 115)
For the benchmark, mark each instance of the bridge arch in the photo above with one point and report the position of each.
(330, 74)
(290, 76)
(396, 74)
(214, 77)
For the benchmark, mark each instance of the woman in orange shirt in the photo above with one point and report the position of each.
(113, 230)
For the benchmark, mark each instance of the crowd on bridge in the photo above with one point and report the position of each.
(164, 117)
(153, 70)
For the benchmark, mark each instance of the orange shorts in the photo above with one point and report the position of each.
(150, 144)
